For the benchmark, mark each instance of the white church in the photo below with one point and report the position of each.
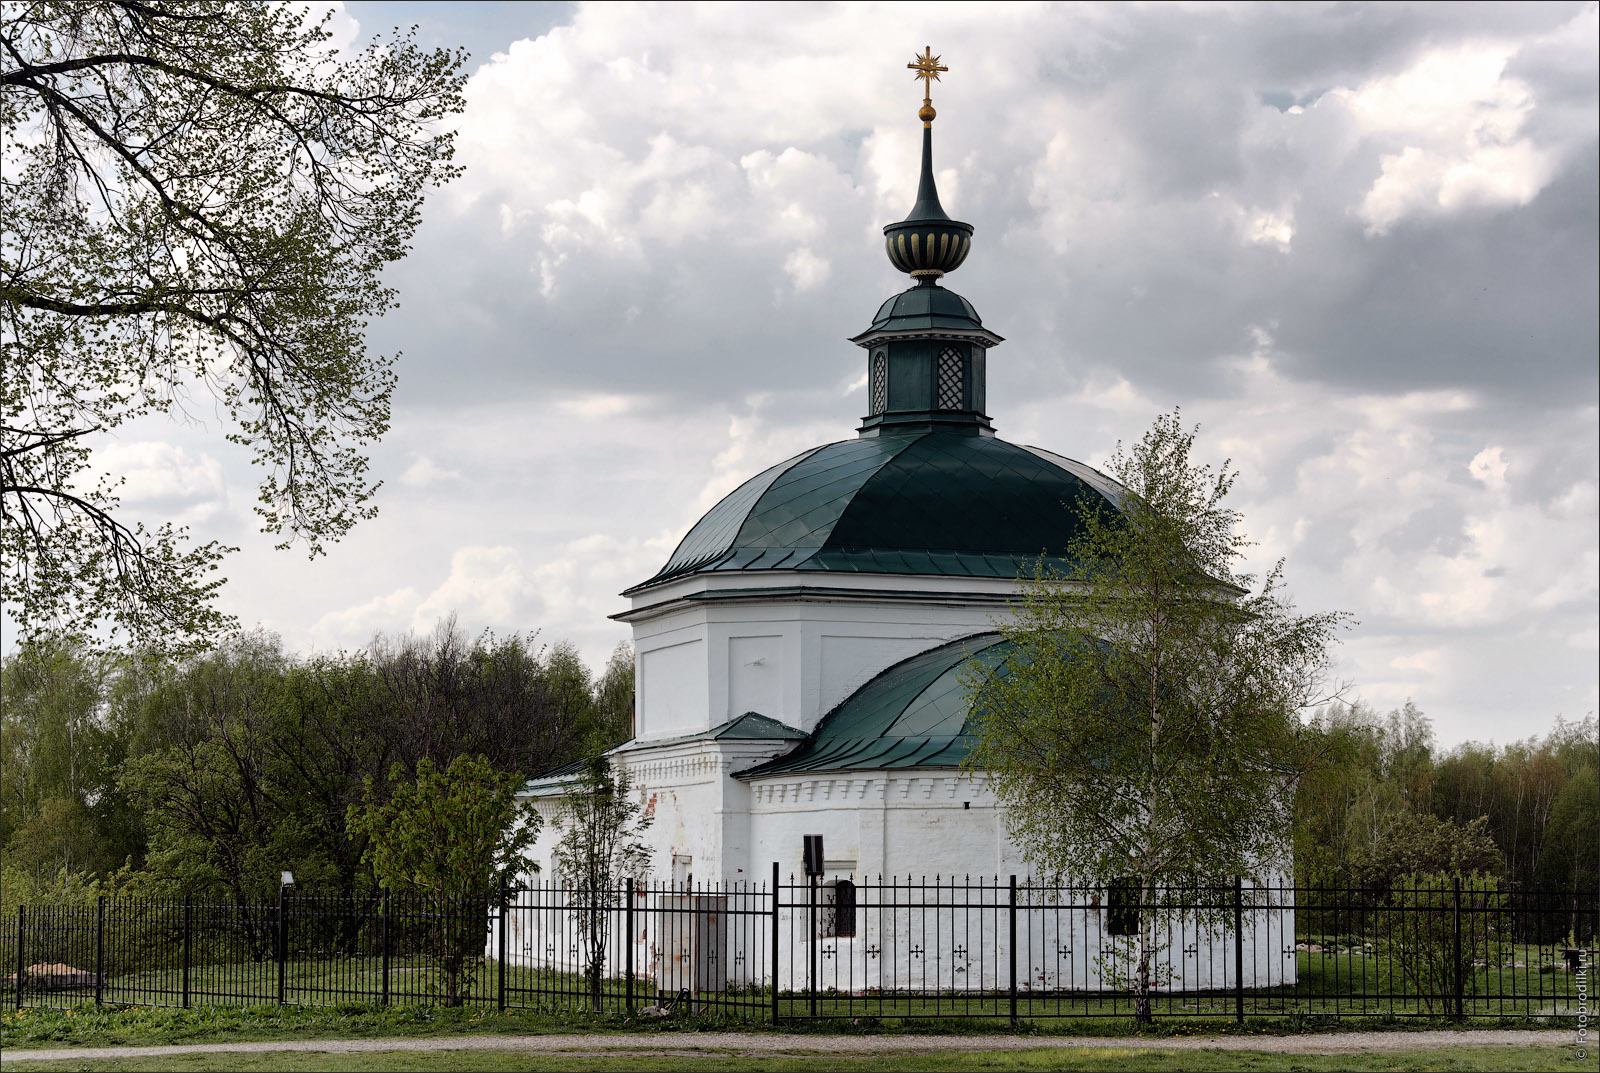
(801, 657)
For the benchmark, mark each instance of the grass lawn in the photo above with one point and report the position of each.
(1333, 980)
(1510, 1059)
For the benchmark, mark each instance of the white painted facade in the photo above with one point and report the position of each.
(788, 644)
(792, 646)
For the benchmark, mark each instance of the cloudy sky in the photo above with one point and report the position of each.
(1357, 244)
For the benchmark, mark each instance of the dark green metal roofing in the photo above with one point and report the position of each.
(939, 503)
(916, 714)
(751, 726)
(925, 307)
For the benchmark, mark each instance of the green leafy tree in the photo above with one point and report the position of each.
(613, 700)
(455, 835)
(1421, 844)
(1143, 732)
(61, 747)
(1343, 801)
(1571, 859)
(602, 824)
(217, 784)
(199, 197)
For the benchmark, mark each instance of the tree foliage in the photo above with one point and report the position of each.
(215, 772)
(454, 835)
(61, 748)
(199, 199)
(1386, 801)
(1145, 723)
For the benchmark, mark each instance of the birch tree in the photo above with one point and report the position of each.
(601, 845)
(1143, 732)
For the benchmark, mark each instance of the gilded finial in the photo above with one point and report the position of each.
(927, 68)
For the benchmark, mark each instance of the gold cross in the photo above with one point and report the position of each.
(927, 68)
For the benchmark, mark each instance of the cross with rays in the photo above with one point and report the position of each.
(927, 68)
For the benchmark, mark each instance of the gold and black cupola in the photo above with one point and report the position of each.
(926, 346)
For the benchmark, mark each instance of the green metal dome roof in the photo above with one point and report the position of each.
(916, 714)
(940, 503)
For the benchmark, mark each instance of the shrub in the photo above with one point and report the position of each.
(1435, 927)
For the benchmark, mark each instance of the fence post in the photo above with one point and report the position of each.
(1456, 967)
(99, 949)
(1012, 947)
(500, 987)
(22, 929)
(774, 944)
(383, 939)
(627, 947)
(188, 930)
(812, 943)
(1238, 950)
(283, 937)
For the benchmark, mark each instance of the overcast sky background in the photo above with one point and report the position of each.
(1357, 244)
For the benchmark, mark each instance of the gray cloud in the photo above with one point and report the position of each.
(1358, 243)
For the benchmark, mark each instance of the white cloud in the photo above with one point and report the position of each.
(166, 479)
(488, 585)
(1489, 467)
(1456, 119)
(806, 269)
(353, 627)
(425, 471)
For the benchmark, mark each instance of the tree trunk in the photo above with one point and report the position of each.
(597, 951)
(1141, 981)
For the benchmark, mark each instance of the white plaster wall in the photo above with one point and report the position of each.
(934, 833)
(792, 658)
(755, 674)
(673, 687)
(941, 921)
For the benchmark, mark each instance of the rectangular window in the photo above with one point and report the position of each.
(839, 909)
(1122, 906)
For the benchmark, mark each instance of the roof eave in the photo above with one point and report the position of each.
(981, 335)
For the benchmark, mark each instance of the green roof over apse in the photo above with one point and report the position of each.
(916, 714)
(934, 503)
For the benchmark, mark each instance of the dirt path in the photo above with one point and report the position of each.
(737, 1043)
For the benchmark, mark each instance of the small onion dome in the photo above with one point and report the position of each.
(927, 250)
(927, 243)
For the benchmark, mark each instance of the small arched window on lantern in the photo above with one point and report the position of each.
(839, 909)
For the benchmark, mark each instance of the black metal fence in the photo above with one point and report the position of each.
(836, 947)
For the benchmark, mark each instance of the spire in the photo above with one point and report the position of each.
(927, 243)
(927, 206)
(926, 348)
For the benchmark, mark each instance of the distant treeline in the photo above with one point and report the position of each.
(208, 777)
(1381, 801)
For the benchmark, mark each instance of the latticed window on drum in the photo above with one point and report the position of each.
(949, 379)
